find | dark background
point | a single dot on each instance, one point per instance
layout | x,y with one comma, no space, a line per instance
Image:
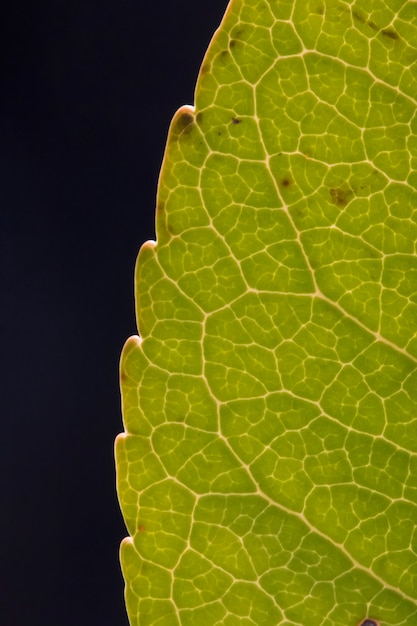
87,91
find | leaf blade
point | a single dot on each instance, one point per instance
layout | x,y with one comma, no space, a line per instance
271,399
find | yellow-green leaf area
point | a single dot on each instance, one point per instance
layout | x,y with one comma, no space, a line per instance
197,582
223,548
164,522
267,473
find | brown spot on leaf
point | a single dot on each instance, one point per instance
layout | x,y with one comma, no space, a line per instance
184,122
170,228
205,68
359,17
362,18
340,196
236,120
238,33
390,33
199,117
286,182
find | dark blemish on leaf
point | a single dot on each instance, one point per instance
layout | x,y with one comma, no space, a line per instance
369,622
205,68
320,10
170,229
286,181
232,43
239,32
363,20
184,123
199,118
235,120
387,32
224,53
340,197
160,207
359,17
390,33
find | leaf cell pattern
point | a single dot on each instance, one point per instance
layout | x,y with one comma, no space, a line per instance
268,470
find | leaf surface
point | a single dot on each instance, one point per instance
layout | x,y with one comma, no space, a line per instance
268,471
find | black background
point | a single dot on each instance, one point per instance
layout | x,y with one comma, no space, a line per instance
87,91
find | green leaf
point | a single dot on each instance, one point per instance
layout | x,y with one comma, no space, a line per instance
268,469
